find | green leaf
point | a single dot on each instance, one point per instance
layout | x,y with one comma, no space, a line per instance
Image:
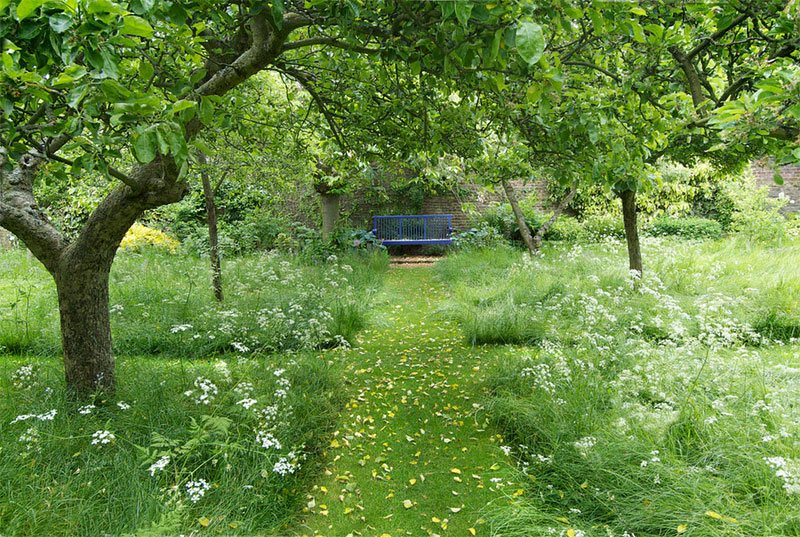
206,111
26,7
498,38
103,6
447,9
533,93
638,33
530,42
4,4
60,22
639,11
464,11
777,177
133,25
277,13
183,104
144,146
145,70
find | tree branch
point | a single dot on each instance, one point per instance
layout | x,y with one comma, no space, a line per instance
692,78
716,35
606,72
329,41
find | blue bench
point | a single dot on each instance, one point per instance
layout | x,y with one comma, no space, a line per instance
414,229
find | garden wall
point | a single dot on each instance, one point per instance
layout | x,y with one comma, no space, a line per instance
476,198
790,187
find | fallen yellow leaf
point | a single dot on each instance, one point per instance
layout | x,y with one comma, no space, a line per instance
717,516
472,531
570,533
408,504
455,470
203,521
682,528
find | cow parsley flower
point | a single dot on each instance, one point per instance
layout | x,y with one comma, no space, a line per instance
247,403
102,437
206,391
86,409
123,405
159,465
268,440
30,438
24,377
788,470
585,444
196,489
286,465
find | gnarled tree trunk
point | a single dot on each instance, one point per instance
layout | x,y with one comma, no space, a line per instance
85,328
628,198
524,230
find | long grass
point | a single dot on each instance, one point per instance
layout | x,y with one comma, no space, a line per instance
222,410
663,408
162,304
55,481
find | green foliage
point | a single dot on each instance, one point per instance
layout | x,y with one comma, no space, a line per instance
755,214
688,227
565,228
478,238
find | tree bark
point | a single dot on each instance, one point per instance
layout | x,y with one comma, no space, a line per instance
86,330
628,198
540,233
330,213
213,234
524,230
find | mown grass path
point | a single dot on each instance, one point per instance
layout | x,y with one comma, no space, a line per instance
412,455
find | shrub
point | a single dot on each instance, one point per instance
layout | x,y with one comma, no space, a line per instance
565,228
356,239
688,228
602,226
756,215
140,236
485,236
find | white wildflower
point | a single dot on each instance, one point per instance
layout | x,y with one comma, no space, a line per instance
102,437
159,465
196,489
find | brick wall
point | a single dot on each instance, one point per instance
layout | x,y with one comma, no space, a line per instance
790,187
481,199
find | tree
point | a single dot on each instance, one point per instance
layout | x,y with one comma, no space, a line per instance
96,86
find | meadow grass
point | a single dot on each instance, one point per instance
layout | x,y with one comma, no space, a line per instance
57,479
222,410
663,408
162,304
